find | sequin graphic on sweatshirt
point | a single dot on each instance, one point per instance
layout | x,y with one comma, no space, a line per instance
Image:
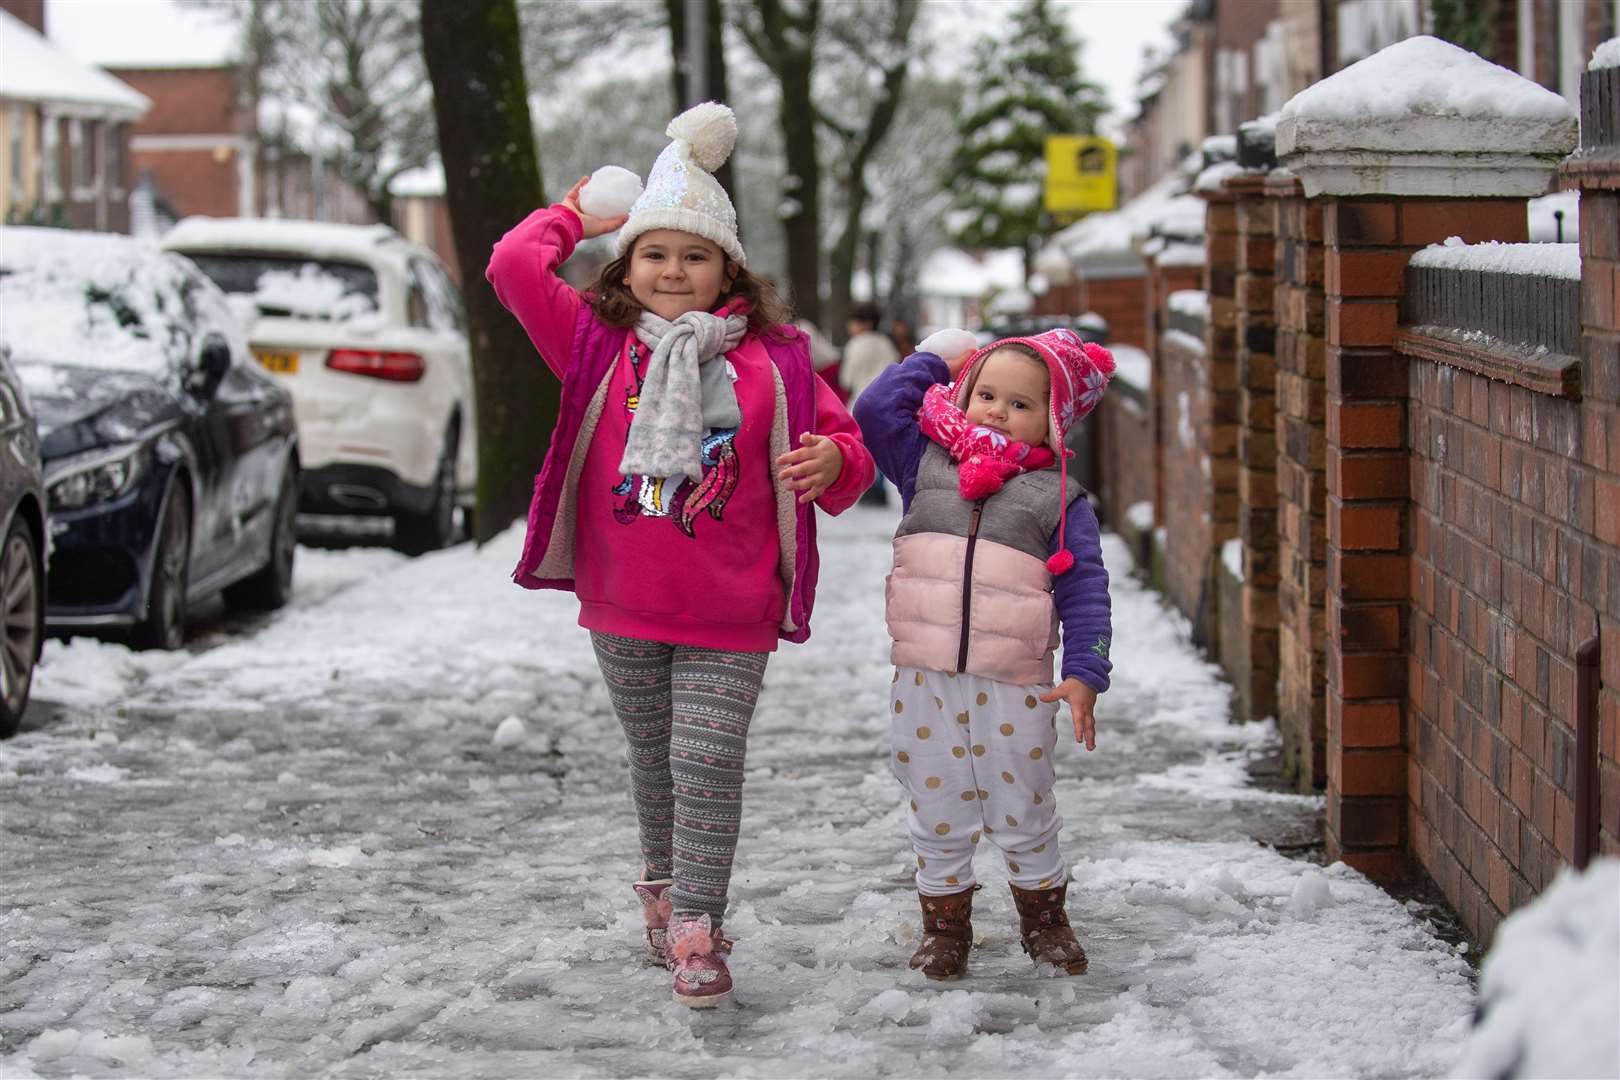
680,498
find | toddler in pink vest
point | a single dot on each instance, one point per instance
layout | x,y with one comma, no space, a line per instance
693,443
997,550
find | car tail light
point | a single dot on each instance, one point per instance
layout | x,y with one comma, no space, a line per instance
393,366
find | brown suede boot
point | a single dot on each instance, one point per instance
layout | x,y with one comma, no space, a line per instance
1043,923
947,934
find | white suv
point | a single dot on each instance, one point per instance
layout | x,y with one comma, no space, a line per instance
368,333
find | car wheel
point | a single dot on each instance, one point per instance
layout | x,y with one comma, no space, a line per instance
434,528
271,587
20,609
164,626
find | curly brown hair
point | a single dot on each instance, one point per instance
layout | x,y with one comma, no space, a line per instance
616,305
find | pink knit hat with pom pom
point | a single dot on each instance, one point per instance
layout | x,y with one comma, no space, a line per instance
1080,371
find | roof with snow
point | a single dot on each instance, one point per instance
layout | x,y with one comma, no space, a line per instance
423,182
954,272
36,70
1105,245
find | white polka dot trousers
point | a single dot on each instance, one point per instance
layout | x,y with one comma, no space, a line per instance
976,757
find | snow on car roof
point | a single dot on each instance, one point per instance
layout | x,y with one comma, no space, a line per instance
321,239
99,300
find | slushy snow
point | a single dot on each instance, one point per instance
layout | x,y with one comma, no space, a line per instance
948,343
297,851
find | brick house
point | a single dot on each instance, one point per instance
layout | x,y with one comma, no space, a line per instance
64,130
207,150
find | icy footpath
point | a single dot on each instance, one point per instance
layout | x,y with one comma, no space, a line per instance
307,853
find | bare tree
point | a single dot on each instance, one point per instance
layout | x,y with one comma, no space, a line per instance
492,181
345,81
841,69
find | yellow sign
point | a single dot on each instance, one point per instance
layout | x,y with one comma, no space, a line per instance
1080,174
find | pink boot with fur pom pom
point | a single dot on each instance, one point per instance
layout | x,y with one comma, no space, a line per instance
698,953
655,909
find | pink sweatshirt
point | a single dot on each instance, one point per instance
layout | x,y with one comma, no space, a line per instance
674,561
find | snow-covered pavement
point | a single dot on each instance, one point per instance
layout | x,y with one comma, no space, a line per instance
304,852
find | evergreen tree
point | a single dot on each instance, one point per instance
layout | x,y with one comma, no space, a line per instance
1025,86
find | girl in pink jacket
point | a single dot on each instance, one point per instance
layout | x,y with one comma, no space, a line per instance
693,440
997,549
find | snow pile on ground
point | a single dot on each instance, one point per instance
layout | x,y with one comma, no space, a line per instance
1550,992
1541,260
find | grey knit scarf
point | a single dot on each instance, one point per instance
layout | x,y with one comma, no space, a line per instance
684,394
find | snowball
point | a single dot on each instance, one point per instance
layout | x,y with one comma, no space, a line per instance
948,343
1311,894
611,191
510,733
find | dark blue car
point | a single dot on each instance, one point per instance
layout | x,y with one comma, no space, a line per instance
171,459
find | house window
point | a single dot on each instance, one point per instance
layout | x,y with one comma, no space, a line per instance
79,157
113,157
18,133
50,162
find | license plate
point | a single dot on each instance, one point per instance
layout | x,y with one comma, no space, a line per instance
282,363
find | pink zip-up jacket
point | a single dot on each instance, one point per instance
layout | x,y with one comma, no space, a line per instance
728,562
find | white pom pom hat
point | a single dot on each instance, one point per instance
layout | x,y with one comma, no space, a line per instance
681,191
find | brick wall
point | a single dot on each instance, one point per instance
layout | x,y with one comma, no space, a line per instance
1219,431
1120,300
1161,281
1301,483
1126,443
1186,509
1257,445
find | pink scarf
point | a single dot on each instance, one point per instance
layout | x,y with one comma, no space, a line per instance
985,459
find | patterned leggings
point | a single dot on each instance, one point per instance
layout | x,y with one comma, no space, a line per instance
685,713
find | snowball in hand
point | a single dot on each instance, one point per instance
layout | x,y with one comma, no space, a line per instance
610,192
948,343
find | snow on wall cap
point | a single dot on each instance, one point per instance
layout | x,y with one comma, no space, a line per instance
1539,260
1423,117
1606,55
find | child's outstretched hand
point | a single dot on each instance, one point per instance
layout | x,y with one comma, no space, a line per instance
1082,701
812,468
953,346
594,226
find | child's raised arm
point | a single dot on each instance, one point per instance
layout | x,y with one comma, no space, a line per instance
523,270
887,414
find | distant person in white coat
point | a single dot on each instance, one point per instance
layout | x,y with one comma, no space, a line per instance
867,355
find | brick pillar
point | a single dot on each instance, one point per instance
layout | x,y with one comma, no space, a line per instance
1301,482
1220,345
1388,191
1595,169
1257,440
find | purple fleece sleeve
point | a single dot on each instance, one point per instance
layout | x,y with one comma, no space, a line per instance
887,414
1082,600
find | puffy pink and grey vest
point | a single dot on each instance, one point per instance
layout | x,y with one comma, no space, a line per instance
547,561
980,604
